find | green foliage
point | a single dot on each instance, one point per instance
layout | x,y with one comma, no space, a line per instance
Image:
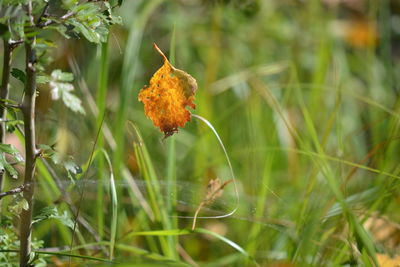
68,163
17,205
61,88
9,245
18,74
52,213
12,124
307,111
90,19
4,164
12,17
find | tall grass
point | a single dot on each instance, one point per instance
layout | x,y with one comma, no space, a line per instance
308,118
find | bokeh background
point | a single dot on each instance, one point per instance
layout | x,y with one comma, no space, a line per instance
304,96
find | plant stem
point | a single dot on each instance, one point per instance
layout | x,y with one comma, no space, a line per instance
4,95
101,105
28,110
14,191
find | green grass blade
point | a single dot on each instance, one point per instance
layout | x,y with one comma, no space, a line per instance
172,197
178,232
101,106
114,205
205,121
128,75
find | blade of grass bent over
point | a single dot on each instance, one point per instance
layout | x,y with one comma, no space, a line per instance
231,172
114,205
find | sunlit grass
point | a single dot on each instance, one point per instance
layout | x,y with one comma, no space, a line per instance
309,121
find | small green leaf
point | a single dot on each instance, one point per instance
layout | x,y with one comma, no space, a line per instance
68,4
42,79
73,102
58,75
61,88
18,74
5,166
17,205
10,149
11,125
52,213
61,29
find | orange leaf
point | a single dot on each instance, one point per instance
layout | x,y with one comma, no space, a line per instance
167,96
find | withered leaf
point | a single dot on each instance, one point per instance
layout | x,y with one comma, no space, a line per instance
214,191
165,100
215,188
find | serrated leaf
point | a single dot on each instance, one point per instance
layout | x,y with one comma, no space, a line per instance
58,75
42,79
73,102
5,166
90,22
52,213
61,29
12,150
89,34
19,75
11,125
17,205
111,18
60,88
68,4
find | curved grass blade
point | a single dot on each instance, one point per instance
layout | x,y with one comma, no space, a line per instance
187,232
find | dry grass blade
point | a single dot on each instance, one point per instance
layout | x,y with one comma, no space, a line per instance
214,191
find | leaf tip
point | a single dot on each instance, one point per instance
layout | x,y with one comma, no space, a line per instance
160,52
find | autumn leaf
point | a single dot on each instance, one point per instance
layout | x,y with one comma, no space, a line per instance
165,100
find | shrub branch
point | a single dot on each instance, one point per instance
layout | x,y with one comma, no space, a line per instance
14,191
28,110
8,47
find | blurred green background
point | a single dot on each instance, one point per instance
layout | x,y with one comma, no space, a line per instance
304,95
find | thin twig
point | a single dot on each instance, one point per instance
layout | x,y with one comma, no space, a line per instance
7,105
45,14
14,191
52,21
